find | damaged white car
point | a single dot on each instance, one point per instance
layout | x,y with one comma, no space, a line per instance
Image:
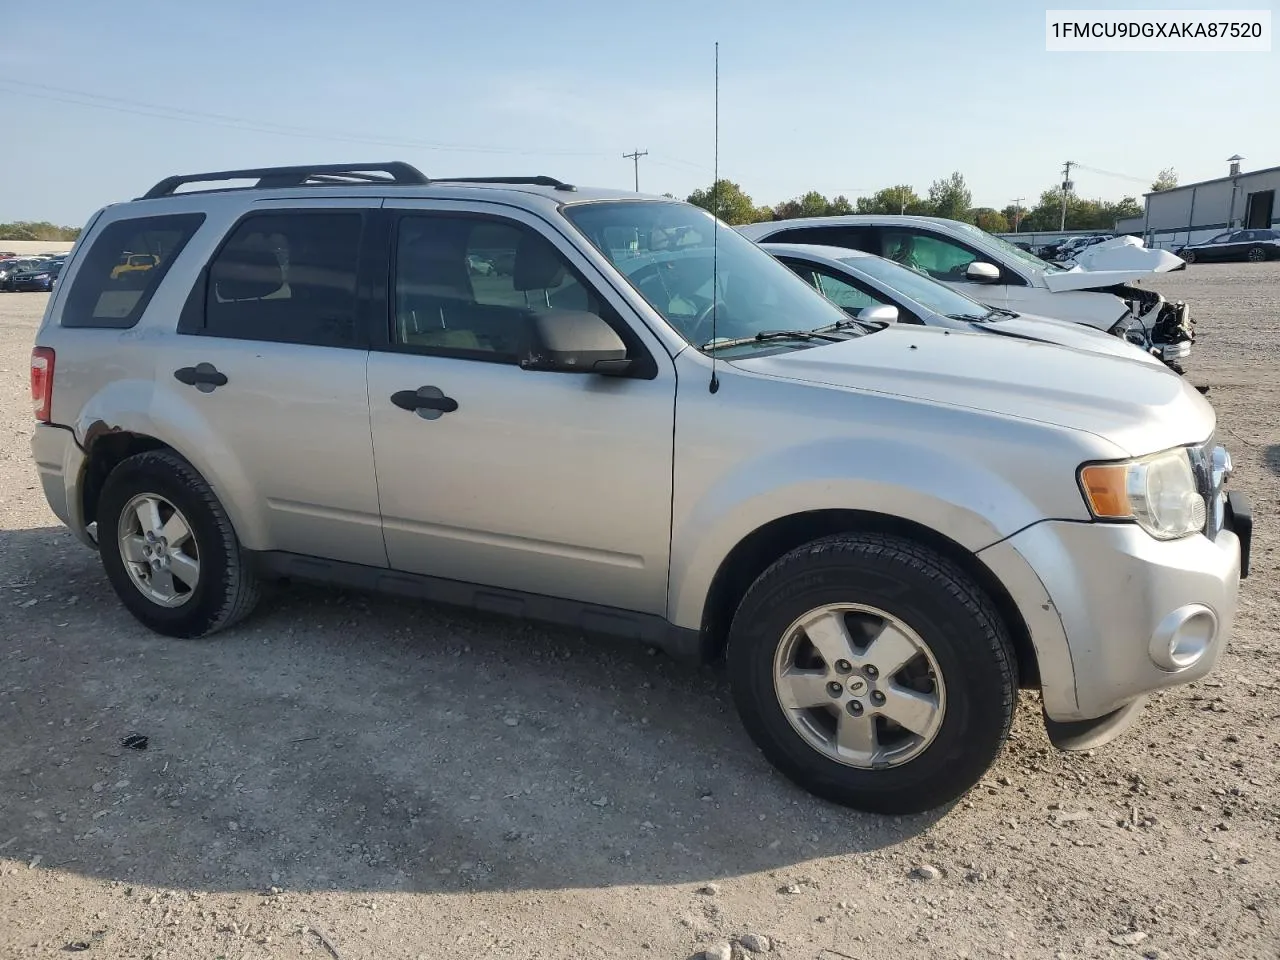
1098,291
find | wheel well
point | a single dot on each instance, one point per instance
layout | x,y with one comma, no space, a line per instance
754,554
104,452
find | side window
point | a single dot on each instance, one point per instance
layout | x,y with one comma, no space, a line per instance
854,238
467,286
110,294
927,253
843,293
287,278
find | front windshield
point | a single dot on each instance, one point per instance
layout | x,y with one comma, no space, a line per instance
1030,259
919,287
664,249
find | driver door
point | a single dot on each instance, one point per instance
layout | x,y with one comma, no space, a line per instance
556,485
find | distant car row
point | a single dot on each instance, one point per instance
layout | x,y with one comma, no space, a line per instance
1253,246
30,274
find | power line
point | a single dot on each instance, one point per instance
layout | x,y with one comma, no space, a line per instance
158,111
635,158
1118,176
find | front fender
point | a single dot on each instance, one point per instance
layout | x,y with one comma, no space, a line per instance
957,496
133,406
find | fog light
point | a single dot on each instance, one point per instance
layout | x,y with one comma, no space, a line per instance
1183,637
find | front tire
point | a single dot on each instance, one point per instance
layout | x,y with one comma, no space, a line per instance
873,672
1189,256
169,549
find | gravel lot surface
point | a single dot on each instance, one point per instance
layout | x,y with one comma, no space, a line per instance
352,777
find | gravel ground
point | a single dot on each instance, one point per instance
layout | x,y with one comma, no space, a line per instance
346,776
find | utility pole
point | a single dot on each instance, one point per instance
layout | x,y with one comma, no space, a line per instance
902,195
635,158
1066,189
1017,212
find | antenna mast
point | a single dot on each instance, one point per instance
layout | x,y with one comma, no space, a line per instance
715,225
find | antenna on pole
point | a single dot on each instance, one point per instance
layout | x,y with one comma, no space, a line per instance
635,158
715,224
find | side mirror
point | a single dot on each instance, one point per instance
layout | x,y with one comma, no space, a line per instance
980,272
880,313
573,341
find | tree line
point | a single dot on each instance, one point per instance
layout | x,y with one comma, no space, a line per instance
948,197
37,230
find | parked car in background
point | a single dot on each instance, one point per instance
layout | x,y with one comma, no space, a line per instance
9,267
35,279
1251,245
650,427
864,285
1073,245
995,272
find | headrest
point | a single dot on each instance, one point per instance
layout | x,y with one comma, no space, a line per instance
247,275
538,266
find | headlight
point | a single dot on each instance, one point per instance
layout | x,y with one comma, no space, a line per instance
1157,492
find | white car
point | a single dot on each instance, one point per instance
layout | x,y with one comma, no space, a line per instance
995,272
872,288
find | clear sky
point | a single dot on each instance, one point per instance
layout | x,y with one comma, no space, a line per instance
100,100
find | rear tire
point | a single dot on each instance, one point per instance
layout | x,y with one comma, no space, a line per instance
183,573
944,665
1256,254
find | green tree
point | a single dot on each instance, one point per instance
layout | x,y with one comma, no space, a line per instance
37,230
1167,180
1082,214
735,206
897,199
990,220
950,197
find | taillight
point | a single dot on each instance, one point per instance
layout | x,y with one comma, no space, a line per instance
42,382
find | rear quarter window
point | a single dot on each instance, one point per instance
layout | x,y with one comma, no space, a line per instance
123,267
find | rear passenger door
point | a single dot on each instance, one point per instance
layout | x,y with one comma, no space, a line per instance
268,362
548,483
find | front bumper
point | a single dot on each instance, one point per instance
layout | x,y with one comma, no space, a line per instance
1114,613
60,463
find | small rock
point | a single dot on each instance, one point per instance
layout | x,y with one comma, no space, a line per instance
1130,939
77,945
99,786
511,722
600,802
718,951
843,904
1155,953
233,826
791,889
709,889
926,871
755,943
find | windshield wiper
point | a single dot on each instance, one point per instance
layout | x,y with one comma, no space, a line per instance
764,335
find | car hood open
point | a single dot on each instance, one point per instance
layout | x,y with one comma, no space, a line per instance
1140,407
1119,260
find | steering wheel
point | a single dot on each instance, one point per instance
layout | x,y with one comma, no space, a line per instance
700,330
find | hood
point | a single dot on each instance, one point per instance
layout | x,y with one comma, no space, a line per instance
1067,334
1127,254
1140,407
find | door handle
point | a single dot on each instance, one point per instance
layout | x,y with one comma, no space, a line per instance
205,377
429,403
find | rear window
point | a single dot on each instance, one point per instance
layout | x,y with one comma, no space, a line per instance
122,269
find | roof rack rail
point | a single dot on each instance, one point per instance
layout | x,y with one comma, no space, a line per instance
393,172
529,181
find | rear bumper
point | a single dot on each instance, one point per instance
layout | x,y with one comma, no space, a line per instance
1114,613
60,463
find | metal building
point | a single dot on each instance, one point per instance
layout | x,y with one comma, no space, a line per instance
1197,211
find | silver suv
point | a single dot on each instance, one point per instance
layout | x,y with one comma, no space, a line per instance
612,412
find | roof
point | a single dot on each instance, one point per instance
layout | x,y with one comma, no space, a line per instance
1201,183
755,230
817,250
375,180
